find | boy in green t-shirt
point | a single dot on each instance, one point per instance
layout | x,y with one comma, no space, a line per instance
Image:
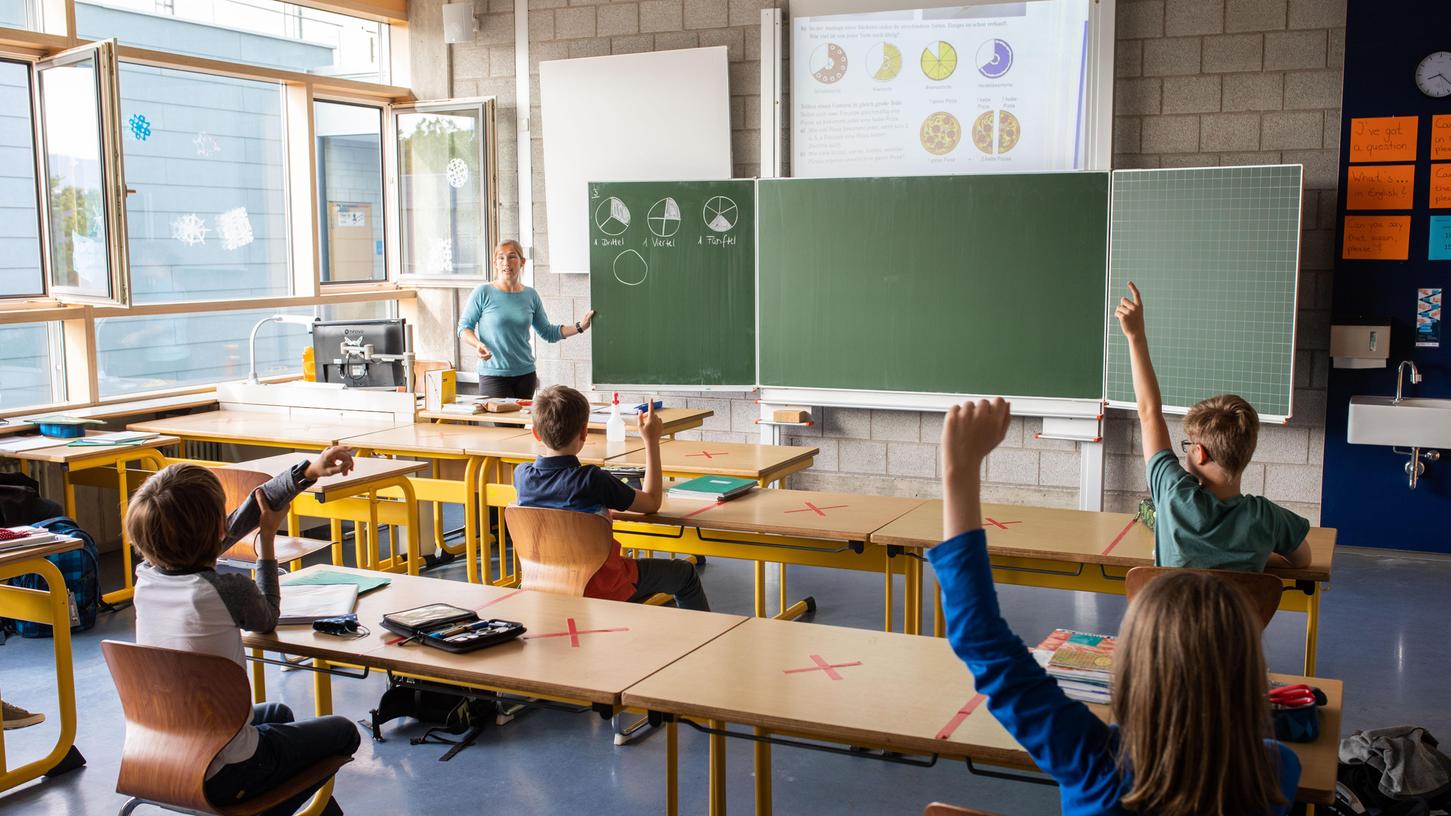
1202,518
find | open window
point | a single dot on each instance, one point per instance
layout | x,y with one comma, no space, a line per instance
83,186
446,191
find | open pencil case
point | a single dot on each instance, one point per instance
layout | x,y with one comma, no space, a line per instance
451,628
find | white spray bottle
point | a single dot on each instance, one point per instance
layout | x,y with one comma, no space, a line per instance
615,427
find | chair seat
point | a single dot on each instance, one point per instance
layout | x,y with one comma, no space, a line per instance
306,778
288,548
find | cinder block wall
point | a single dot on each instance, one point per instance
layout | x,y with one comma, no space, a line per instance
1199,82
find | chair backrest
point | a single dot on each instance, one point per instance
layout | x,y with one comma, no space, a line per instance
559,550
1262,588
940,809
181,709
237,486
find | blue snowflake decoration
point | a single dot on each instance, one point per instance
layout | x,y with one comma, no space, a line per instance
140,127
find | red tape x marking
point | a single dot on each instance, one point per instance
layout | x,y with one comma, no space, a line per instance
962,714
1120,537
573,632
822,665
811,508
1001,525
709,454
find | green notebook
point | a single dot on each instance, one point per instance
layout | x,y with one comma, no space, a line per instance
364,583
713,488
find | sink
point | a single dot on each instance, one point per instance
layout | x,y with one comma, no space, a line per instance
1411,423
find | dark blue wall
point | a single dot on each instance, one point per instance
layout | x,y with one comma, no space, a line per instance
1365,493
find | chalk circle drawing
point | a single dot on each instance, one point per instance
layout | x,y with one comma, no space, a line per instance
612,217
189,229
457,173
630,268
720,214
206,145
664,218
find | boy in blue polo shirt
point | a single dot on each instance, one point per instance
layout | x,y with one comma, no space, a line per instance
561,423
1202,519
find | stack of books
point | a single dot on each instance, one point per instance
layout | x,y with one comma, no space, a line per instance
711,488
464,408
1081,662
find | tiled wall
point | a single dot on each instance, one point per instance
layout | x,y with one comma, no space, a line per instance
1199,82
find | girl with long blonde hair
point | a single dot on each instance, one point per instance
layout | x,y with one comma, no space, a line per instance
1192,731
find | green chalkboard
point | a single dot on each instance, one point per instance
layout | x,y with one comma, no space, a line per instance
1214,252
672,277
939,284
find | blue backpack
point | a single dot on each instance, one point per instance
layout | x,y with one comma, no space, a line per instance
81,570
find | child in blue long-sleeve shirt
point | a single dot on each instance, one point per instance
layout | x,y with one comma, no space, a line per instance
1192,732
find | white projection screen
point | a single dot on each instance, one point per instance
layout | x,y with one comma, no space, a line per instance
895,88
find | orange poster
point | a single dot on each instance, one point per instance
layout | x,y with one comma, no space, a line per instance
1440,186
1383,187
1440,137
1377,237
1383,139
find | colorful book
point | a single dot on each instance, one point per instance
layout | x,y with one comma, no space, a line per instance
364,583
1081,663
712,488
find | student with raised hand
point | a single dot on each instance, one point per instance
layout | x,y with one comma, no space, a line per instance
1202,518
1192,720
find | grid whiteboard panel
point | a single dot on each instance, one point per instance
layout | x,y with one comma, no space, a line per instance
1214,252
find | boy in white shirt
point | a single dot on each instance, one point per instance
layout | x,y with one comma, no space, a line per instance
178,520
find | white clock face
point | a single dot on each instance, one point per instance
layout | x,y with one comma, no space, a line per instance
1433,75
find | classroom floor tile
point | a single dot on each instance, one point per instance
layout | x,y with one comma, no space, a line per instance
1375,635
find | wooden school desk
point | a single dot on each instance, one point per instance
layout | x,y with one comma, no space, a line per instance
763,464
786,526
578,651
310,431
856,687
114,410
332,497
1090,552
50,606
674,420
441,443
76,461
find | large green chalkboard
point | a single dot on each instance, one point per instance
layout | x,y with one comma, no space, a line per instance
940,284
1215,253
672,276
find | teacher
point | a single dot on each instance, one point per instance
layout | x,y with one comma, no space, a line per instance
496,323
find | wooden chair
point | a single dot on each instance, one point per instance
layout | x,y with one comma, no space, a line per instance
940,809
181,709
1262,588
238,485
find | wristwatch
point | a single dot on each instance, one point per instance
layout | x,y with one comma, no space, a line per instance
578,329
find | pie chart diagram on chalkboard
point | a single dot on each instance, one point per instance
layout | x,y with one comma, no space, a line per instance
721,214
664,218
612,217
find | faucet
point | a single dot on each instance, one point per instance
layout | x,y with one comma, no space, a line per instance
1400,372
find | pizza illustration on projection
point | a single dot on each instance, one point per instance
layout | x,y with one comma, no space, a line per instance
996,131
884,60
828,63
940,133
939,60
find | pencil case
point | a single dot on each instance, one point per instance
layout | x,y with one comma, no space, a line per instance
451,628
1295,711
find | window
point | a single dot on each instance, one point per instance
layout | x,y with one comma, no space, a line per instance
445,190
19,14
29,365
350,191
156,352
20,272
370,310
205,159
258,32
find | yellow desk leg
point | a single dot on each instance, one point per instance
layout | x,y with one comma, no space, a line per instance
415,559
259,678
939,619
781,603
52,607
322,695
760,574
1312,630
763,775
372,529
335,532
717,770
672,767
472,512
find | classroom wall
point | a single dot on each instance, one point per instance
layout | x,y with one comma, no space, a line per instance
1366,496
1199,82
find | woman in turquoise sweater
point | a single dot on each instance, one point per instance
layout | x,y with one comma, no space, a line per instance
1191,730
496,323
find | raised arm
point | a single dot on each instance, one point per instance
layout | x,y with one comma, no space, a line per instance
1155,430
650,499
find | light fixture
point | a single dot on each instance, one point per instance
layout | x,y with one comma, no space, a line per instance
296,320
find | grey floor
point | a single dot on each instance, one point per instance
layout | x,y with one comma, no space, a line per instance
1382,632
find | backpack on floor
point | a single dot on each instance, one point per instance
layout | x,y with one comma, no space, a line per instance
449,709
81,570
